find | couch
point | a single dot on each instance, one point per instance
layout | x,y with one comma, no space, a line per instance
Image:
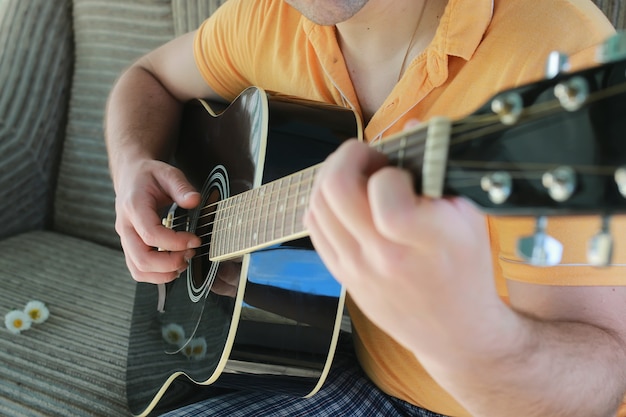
58,61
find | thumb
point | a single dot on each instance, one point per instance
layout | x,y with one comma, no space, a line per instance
176,185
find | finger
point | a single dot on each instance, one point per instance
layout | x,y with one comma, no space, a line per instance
148,225
342,185
150,277
394,205
229,272
148,260
176,185
411,124
339,250
225,288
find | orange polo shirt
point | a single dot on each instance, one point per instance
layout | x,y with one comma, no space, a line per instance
481,47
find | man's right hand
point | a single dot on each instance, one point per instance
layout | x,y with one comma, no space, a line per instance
144,189
142,119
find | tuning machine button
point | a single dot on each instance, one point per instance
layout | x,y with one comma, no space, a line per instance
540,249
557,63
572,93
508,107
600,247
560,182
498,185
613,49
620,180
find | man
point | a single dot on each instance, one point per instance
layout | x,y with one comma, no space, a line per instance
422,269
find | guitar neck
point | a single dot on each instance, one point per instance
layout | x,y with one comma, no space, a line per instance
273,213
263,216
529,151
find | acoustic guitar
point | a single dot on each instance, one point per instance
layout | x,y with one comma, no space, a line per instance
554,147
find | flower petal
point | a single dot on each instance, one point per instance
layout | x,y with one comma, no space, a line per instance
17,321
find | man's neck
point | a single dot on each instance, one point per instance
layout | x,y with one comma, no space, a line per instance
381,28
381,40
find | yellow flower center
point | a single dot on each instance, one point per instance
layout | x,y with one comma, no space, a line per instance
173,336
17,323
34,314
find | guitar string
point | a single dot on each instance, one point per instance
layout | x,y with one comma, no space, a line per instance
251,225
531,111
286,193
537,109
394,147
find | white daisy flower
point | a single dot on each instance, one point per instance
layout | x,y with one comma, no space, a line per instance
37,311
17,321
173,333
196,348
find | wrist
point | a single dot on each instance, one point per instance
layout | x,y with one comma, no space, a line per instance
504,339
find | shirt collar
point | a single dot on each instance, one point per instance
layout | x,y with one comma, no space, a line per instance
460,32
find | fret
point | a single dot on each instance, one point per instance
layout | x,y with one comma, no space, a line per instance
263,213
214,237
288,210
401,152
248,219
282,206
270,217
235,213
219,232
254,218
296,204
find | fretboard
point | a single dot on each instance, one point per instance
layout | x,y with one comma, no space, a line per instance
263,216
273,213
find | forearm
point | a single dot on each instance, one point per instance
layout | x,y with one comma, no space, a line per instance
141,120
552,369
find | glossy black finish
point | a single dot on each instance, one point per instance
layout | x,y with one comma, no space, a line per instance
279,337
591,140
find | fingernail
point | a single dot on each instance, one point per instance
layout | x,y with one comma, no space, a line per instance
194,243
188,194
188,255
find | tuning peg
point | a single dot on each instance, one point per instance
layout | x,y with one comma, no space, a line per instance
498,185
560,183
600,247
508,107
540,249
557,63
573,93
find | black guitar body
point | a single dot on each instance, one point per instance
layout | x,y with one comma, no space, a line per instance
279,333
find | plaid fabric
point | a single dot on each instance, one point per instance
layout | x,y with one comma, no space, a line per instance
347,392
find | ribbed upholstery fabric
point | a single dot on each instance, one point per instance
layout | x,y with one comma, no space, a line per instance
109,35
615,11
35,70
74,363
189,14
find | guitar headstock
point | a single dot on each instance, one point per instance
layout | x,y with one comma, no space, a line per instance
554,147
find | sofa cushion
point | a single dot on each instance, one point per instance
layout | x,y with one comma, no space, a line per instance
109,35
35,72
74,363
615,11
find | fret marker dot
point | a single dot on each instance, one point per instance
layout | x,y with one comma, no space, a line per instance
255,236
281,208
